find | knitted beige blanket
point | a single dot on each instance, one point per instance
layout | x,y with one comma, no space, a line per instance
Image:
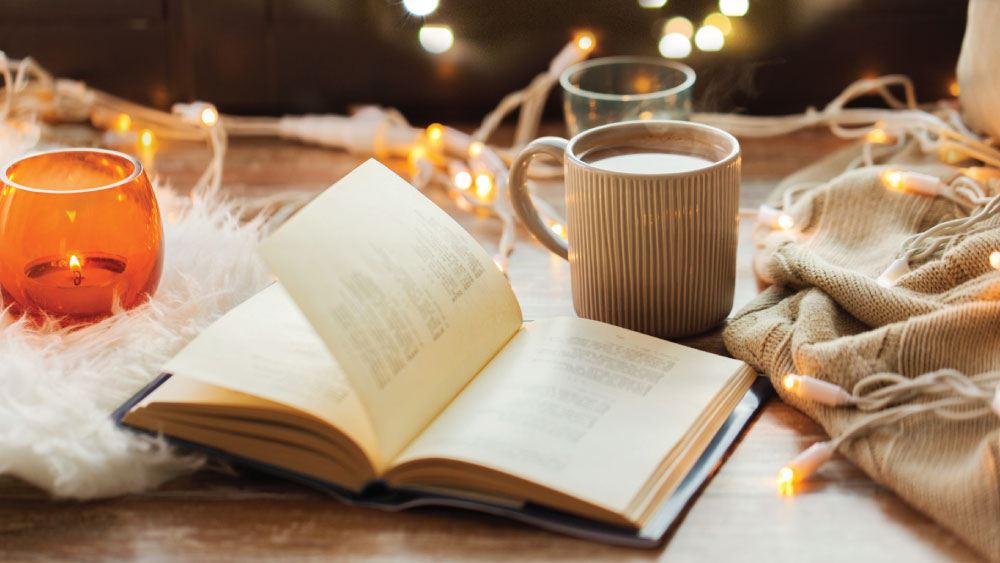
827,317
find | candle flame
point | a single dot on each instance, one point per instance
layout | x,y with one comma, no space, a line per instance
74,268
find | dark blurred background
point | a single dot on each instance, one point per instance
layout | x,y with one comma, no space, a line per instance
295,56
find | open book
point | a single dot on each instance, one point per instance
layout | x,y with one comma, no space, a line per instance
392,366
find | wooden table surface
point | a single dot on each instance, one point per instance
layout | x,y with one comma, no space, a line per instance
838,515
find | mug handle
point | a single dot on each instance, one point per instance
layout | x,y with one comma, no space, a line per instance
521,198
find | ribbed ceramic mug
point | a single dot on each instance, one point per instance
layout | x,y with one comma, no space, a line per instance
651,239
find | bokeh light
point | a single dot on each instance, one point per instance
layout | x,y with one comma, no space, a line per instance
720,21
734,8
675,46
681,25
709,38
436,38
420,7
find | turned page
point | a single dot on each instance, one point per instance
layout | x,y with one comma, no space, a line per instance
579,406
266,348
408,303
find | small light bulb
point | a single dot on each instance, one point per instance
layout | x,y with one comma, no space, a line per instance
123,123
896,270
995,259
476,148
559,230
483,185
146,138
981,174
786,481
674,46
679,24
463,180
817,390
709,38
953,88
585,42
774,218
893,179
878,136
435,132
209,116
790,381
734,7
417,154
436,39
949,153
720,21
420,7
913,182
804,464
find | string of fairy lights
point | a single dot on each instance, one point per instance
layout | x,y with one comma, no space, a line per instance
975,191
946,394
675,40
472,171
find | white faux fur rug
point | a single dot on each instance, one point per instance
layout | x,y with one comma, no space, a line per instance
58,386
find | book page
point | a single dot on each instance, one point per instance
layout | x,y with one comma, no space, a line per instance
266,348
578,406
408,302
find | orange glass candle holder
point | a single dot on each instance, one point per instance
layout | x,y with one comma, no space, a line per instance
80,233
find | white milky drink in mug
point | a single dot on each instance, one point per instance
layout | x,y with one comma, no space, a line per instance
652,214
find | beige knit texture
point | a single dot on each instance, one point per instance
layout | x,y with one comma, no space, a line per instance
825,316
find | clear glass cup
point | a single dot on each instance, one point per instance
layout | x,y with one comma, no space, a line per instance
613,89
80,233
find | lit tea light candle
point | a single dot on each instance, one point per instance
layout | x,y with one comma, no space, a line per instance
99,249
82,285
